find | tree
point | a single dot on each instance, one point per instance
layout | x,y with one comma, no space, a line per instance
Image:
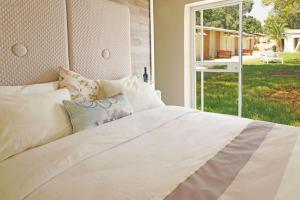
225,17
288,10
251,25
247,6
274,28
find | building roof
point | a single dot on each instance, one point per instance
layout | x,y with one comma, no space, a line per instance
292,31
224,30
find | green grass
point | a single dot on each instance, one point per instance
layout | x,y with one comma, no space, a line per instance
270,92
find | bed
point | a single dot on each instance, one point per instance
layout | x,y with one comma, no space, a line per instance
163,153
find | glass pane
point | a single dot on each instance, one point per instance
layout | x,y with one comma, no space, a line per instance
221,34
198,18
198,36
220,92
224,18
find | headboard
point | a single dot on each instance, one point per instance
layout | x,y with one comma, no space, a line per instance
33,40
91,37
99,38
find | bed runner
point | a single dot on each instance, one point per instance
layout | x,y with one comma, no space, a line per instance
211,180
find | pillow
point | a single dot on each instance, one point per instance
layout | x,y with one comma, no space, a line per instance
80,87
30,120
85,114
140,94
29,89
114,87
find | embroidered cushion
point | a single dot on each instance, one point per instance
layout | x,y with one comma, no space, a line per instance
80,87
84,114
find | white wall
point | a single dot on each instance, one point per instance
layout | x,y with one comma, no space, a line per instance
246,43
212,44
289,44
140,33
169,49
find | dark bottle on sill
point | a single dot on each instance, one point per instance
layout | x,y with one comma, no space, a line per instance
145,75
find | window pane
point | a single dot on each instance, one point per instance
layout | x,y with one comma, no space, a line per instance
221,34
220,92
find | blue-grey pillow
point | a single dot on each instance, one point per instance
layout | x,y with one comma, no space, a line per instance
84,114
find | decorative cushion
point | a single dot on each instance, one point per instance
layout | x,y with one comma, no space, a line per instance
29,120
80,87
85,114
29,89
140,94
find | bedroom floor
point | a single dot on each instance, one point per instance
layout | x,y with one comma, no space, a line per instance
271,92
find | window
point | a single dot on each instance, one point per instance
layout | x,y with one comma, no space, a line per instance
217,49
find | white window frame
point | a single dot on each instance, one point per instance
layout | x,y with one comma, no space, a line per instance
190,51
152,42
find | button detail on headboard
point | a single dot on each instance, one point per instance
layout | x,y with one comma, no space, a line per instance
19,50
105,54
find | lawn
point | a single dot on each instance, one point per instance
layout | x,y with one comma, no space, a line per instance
270,92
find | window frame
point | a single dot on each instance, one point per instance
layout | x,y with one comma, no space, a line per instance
199,66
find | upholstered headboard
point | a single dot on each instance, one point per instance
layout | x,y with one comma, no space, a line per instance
91,37
99,38
33,40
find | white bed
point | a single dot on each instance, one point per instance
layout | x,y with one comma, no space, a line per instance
147,155
161,153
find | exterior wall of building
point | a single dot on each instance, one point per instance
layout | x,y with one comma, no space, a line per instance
213,45
231,44
209,45
264,43
236,44
198,47
217,40
206,44
246,43
298,45
228,43
222,41
289,44
291,40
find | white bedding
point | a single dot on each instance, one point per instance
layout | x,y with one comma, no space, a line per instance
140,157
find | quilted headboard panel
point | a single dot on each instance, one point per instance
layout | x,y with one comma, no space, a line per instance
33,40
99,38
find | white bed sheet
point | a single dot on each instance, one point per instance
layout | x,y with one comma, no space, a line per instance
143,156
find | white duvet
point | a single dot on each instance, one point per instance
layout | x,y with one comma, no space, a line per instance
140,157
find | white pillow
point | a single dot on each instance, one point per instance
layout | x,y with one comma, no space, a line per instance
29,120
29,89
141,95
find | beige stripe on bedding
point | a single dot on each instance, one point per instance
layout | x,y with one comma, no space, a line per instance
213,178
287,189
261,178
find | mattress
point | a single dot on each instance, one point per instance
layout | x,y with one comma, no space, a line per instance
163,153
